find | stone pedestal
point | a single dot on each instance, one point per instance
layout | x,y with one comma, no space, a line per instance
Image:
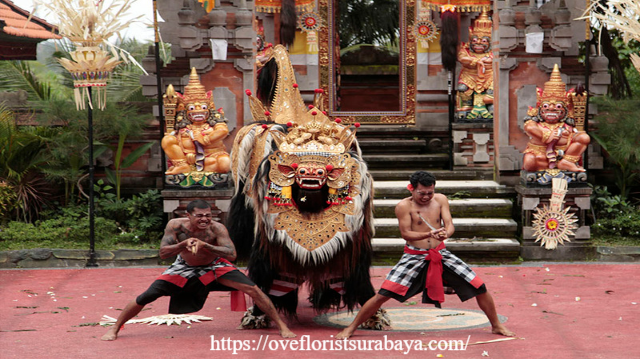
579,248
473,145
175,201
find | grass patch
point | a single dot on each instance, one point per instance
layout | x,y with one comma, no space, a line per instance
615,241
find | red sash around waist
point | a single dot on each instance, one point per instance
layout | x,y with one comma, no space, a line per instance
435,288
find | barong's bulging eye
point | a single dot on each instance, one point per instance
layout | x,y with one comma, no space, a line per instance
320,172
204,107
302,171
559,106
545,106
191,107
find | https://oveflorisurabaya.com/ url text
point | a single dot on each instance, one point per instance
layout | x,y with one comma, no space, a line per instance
305,343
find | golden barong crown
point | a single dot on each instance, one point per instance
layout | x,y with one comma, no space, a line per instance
314,132
482,27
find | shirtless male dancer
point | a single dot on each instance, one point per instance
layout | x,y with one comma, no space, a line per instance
203,250
426,265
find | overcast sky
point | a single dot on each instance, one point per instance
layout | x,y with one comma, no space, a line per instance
138,30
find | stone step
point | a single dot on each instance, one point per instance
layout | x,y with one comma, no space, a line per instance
381,146
426,161
396,131
465,228
441,175
474,189
453,244
501,250
468,207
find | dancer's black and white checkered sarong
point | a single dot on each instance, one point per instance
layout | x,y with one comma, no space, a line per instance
409,276
188,286
180,272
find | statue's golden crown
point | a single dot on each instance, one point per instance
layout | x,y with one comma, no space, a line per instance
483,26
195,92
554,89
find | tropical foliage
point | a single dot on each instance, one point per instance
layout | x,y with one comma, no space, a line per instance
68,226
357,16
21,155
619,135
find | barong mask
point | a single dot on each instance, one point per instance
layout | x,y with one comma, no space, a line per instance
312,185
312,153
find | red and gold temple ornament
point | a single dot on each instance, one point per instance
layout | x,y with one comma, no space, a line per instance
309,23
425,29
552,224
273,6
459,5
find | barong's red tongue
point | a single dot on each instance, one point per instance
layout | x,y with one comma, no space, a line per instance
435,289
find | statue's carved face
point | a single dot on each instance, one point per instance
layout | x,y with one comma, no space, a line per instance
552,111
260,42
480,45
197,112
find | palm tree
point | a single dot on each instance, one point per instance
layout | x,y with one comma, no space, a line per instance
21,75
21,156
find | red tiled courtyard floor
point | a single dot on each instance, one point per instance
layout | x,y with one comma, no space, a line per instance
581,311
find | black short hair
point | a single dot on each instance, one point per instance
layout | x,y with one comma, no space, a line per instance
422,177
197,203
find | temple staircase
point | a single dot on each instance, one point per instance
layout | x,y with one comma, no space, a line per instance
482,209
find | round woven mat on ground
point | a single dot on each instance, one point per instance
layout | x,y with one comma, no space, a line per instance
417,319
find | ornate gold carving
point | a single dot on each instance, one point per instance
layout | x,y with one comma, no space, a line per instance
579,101
287,102
170,100
408,69
311,233
482,27
554,89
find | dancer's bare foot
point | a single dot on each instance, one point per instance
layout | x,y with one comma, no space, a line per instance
569,166
346,333
287,333
502,330
112,334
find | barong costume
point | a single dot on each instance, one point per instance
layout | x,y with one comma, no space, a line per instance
303,207
188,286
434,272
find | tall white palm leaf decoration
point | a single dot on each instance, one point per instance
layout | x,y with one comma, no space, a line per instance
623,15
89,24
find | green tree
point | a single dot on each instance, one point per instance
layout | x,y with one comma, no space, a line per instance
619,135
21,156
356,19
20,75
